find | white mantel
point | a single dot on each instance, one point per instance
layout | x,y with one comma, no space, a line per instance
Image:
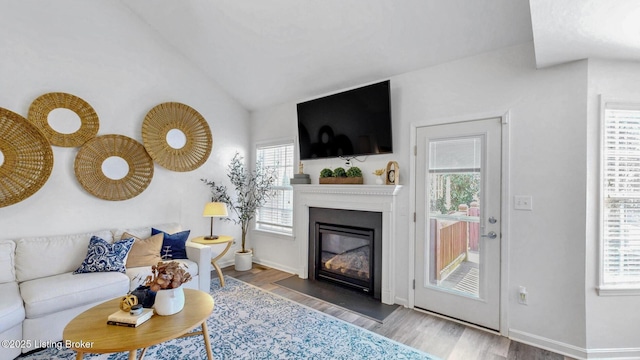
375,198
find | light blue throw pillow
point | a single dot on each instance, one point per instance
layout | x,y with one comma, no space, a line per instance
105,257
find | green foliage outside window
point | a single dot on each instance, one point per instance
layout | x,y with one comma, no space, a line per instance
464,189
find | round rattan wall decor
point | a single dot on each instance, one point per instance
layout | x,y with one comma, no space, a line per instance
27,158
89,161
176,116
44,104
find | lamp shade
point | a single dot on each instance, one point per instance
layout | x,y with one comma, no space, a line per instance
215,209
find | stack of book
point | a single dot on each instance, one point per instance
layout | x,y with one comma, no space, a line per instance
124,318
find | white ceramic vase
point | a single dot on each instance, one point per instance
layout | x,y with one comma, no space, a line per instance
243,261
169,301
379,180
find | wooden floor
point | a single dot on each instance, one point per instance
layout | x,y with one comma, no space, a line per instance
434,335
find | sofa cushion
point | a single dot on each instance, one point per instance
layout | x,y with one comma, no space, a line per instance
11,309
38,257
104,257
60,292
144,252
138,275
7,261
173,245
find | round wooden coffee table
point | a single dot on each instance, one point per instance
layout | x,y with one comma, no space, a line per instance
89,332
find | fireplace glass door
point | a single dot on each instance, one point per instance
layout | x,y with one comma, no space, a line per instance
345,255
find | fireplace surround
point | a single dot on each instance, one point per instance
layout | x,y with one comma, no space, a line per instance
370,198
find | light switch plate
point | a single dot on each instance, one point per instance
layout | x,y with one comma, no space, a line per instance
523,202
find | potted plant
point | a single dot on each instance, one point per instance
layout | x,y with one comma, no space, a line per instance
166,281
354,172
326,173
252,190
378,173
341,176
167,275
339,172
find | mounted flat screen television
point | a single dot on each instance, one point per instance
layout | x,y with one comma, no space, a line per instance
347,124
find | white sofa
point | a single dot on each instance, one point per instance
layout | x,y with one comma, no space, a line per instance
40,293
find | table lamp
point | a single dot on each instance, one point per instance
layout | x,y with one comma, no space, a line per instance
214,209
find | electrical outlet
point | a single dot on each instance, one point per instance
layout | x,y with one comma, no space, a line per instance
523,295
523,202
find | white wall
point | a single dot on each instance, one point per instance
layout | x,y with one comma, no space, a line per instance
102,53
613,322
548,141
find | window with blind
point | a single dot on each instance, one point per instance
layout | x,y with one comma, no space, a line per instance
277,214
620,247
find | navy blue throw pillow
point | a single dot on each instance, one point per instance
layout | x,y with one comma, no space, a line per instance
104,257
173,245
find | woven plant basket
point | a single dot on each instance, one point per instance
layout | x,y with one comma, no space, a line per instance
88,167
341,180
27,158
44,104
168,116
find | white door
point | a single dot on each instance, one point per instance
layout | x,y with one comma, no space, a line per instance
458,172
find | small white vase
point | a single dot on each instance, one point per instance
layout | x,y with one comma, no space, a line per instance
379,180
169,301
243,261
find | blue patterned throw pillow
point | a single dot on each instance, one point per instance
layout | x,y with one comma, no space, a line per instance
104,257
173,245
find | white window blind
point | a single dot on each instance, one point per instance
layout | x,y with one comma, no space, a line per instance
277,214
621,198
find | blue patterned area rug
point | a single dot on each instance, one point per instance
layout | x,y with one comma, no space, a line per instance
250,323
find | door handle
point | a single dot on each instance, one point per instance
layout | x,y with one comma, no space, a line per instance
490,235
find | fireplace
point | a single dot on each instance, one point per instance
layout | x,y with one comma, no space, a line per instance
345,247
379,199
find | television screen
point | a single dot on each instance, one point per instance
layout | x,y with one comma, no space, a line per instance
351,123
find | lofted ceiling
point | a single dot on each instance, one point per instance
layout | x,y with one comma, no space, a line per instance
269,52
571,30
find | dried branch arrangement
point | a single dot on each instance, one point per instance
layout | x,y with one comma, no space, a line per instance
167,275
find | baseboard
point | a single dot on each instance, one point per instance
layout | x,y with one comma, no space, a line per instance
548,344
401,301
574,351
275,266
617,353
230,262
224,263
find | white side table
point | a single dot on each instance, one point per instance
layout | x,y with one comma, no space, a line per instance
222,239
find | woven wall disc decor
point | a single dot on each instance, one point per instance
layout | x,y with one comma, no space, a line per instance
27,158
88,167
44,104
172,115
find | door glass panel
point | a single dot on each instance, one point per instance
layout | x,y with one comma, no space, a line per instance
454,183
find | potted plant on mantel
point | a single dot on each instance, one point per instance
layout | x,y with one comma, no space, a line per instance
339,176
252,190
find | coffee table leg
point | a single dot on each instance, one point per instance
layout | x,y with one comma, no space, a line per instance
132,355
79,355
207,343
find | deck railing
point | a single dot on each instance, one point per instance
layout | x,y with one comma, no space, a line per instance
454,235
